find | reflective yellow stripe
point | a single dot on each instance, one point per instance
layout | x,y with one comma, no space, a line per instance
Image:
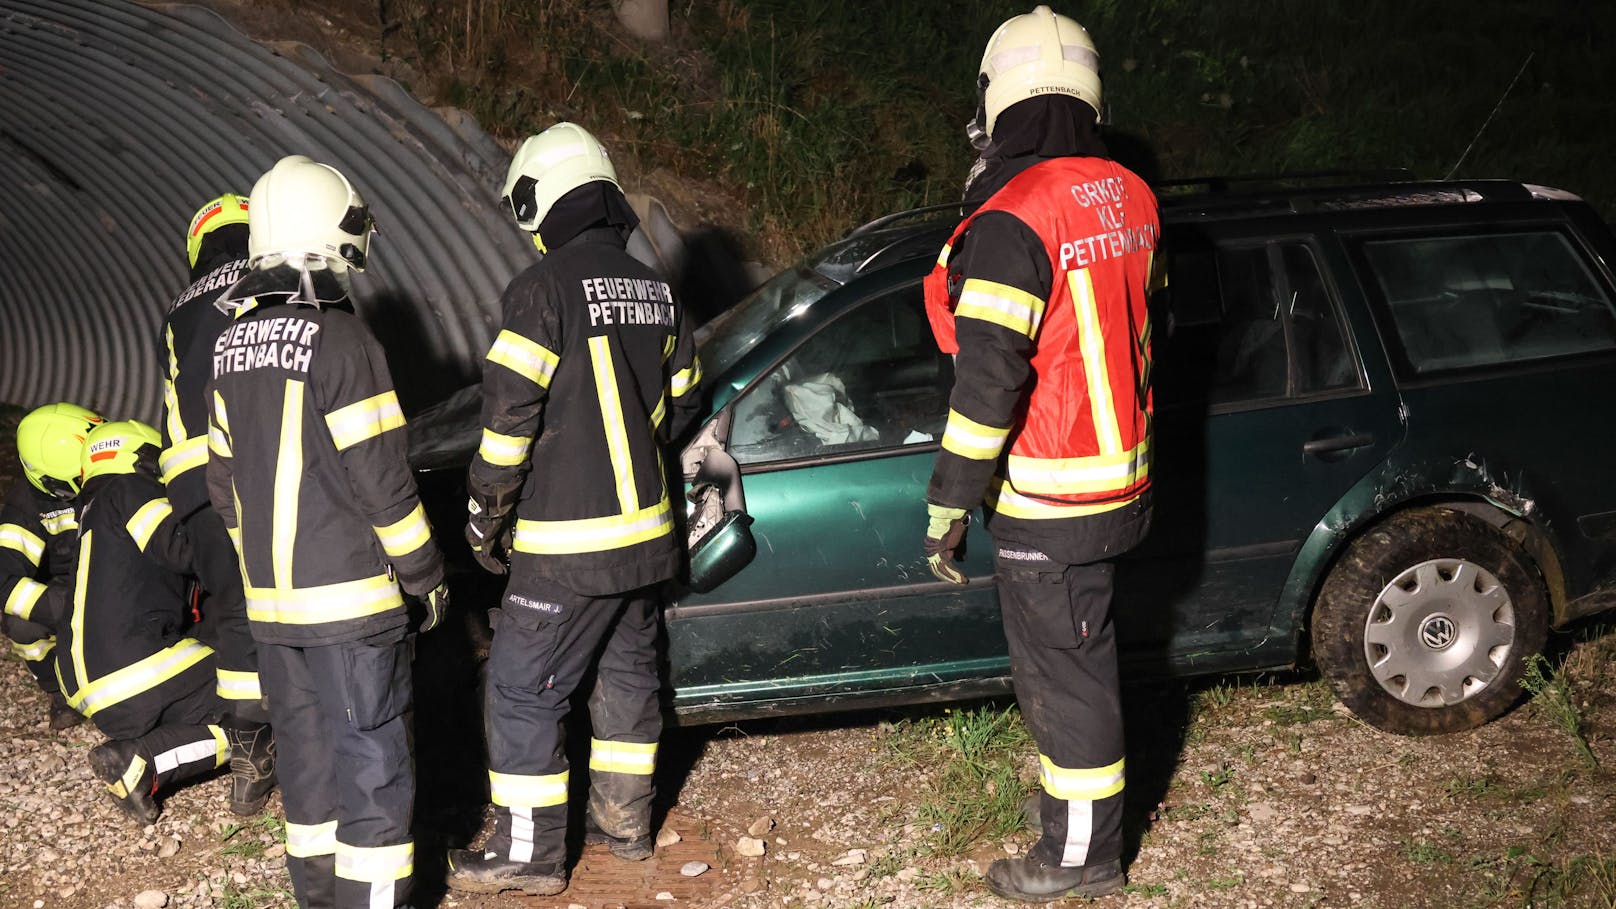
611,416
23,540
1092,342
288,481
219,429
59,521
145,521
235,685
594,534
526,358
660,411
138,678
520,790
638,758
130,779
221,746
502,450
1099,473
685,379
669,345
35,652
311,840
81,587
405,536
364,419
375,864
1081,784
942,257
1008,502
1001,304
24,595
328,603
181,457
234,533
970,439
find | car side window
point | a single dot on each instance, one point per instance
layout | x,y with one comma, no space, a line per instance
1250,324
871,379
1467,301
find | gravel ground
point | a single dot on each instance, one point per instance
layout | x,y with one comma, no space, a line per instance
1242,794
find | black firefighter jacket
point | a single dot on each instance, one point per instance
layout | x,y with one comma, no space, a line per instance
188,332
38,543
307,468
593,370
122,641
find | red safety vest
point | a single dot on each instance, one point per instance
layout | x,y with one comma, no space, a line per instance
1082,445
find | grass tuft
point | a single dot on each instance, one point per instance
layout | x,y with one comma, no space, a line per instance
979,791
1551,693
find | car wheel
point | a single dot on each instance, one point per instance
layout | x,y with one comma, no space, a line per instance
1426,622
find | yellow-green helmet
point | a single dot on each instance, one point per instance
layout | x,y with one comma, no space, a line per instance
227,209
116,448
50,444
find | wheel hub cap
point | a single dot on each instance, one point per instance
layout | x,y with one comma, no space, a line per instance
1440,632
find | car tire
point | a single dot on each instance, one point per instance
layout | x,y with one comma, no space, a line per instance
1425,624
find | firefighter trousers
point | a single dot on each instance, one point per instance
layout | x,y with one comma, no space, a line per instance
1063,662
179,740
224,616
546,641
342,715
36,646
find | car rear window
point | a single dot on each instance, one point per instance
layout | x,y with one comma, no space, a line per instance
1466,301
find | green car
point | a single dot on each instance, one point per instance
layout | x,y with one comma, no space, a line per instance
1382,420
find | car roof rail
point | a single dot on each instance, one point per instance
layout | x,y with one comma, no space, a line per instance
923,213
1246,182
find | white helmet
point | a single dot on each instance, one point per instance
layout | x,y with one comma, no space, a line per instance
550,165
1038,53
301,208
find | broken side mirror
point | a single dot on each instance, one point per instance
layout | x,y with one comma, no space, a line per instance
719,530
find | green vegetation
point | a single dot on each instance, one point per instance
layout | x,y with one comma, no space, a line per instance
819,114
238,897
978,792
251,839
1551,693
1517,877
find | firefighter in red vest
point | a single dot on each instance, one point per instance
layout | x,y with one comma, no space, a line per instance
1041,295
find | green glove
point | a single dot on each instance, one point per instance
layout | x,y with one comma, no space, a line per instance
945,533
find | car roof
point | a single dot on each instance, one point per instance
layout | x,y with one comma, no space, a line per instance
907,235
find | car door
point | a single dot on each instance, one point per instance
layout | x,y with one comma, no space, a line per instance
1266,414
836,441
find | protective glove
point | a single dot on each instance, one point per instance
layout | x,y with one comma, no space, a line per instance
945,533
483,531
437,603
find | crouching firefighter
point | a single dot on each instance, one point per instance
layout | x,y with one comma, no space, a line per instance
216,246
39,541
591,374
306,467
123,654
1041,294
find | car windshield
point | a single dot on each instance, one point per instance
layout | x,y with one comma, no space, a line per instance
722,341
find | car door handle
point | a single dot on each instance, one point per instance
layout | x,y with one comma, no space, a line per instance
1346,441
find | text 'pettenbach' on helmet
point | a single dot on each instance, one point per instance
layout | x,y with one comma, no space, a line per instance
1037,53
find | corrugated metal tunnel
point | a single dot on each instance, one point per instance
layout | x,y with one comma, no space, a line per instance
117,121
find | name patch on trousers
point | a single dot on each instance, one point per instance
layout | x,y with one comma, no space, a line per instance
629,301
543,606
284,342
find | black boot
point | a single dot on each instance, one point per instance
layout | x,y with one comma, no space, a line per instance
1032,813
132,785
62,714
476,871
627,848
1030,880
252,765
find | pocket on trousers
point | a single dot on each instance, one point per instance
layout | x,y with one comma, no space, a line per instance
379,686
1051,614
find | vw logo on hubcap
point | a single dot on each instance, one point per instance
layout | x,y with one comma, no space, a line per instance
1438,632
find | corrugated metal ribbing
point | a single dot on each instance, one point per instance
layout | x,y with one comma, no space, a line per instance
118,120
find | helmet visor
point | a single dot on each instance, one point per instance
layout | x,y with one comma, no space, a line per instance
522,202
358,222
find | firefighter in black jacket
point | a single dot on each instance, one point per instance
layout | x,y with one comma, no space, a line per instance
307,468
216,245
39,540
592,372
123,654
